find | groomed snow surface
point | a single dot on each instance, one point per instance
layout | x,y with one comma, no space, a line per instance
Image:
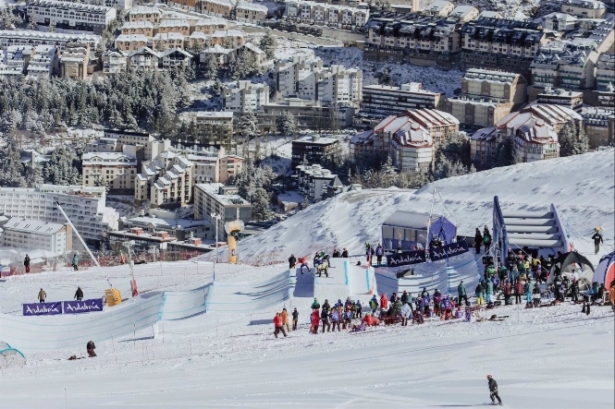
227,357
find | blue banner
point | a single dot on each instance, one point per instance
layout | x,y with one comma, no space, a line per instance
43,308
79,307
406,258
448,250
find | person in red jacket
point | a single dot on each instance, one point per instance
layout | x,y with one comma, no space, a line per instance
519,291
507,290
384,302
277,323
315,321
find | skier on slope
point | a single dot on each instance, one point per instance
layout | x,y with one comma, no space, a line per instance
493,390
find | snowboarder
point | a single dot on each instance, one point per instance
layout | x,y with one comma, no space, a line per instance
42,295
295,319
325,257
493,390
479,292
478,240
597,238
486,239
79,294
90,347
344,253
277,323
461,292
75,262
26,263
303,261
292,261
379,253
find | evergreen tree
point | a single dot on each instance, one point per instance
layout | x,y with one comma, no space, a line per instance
268,44
572,140
248,125
34,175
261,205
286,124
506,154
60,169
11,168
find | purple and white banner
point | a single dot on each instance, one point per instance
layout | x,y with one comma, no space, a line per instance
79,307
405,258
448,250
44,308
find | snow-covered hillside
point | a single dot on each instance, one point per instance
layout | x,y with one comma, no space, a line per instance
582,187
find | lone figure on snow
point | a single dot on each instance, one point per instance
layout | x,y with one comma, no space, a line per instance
91,347
26,263
597,238
75,262
79,294
493,390
42,295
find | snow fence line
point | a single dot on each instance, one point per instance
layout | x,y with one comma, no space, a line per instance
41,333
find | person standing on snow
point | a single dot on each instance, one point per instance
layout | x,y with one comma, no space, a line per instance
461,292
324,317
406,312
373,304
79,294
90,347
285,319
75,262
314,321
315,304
42,296
26,263
379,253
479,293
292,261
478,240
488,290
597,238
295,319
277,323
486,239
493,390
303,261
344,253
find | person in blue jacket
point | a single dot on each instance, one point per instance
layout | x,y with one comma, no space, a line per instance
373,304
488,291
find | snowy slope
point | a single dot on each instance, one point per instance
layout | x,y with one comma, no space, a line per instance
582,187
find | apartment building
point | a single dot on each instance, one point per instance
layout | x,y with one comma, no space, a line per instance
308,79
174,26
218,204
534,130
464,13
74,61
599,126
440,8
144,59
33,38
115,170
248,12
40,61
130,42
410,138
416,34
317,183
584,8
499,43
129,137
165,41
28,234
217,8
176,57
119,4
145,13
568,65
186,4
167,181
85,206
69,16
227,38
307,115
210,25
114,62
486,97
323,14
557,96
380,101
214,127
144,28
245,97
229,167
313,149
560,22
605,80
